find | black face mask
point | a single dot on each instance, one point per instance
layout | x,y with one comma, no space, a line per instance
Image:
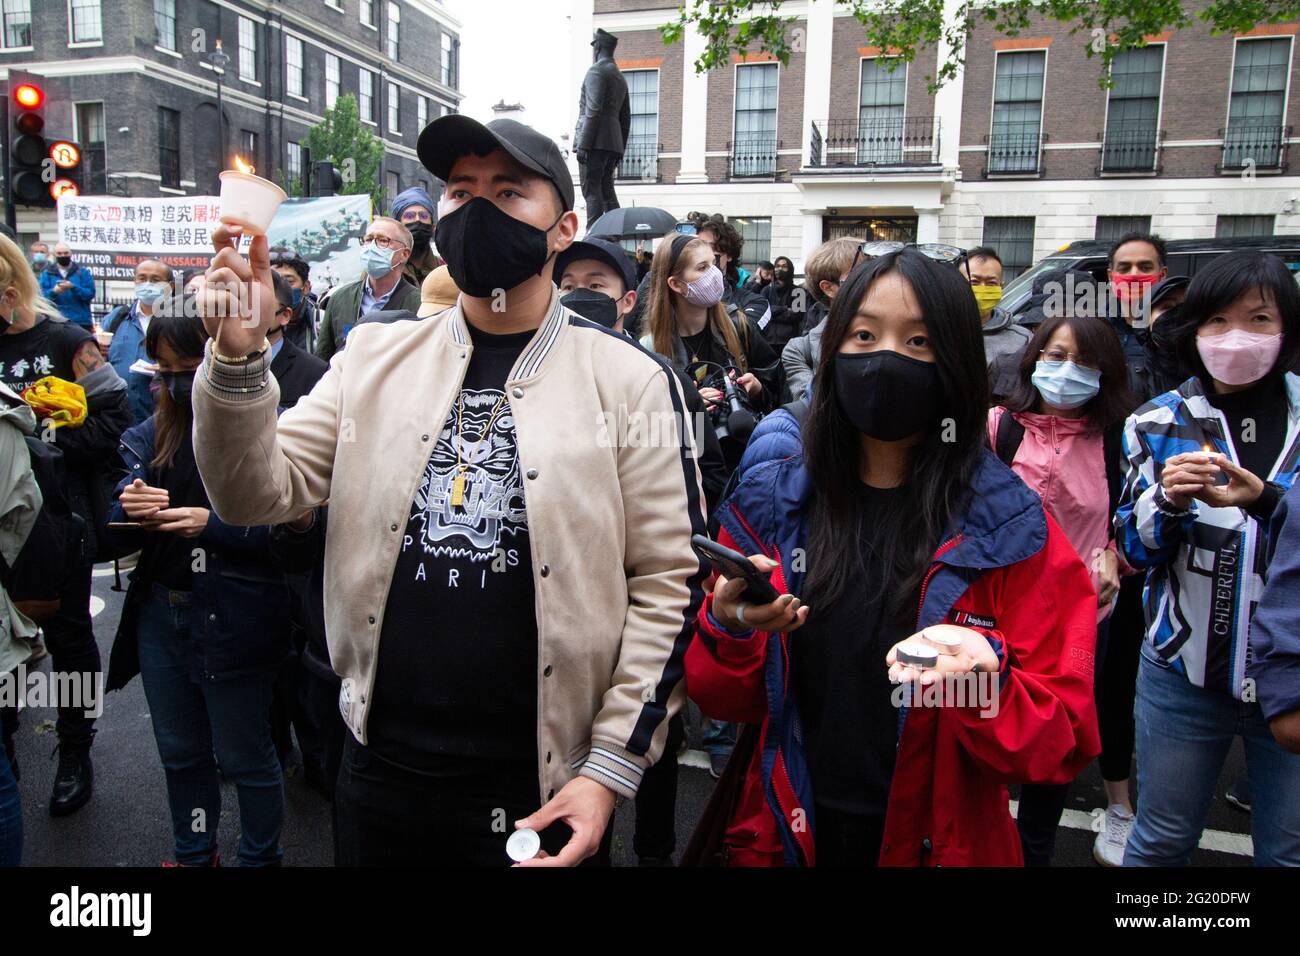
595,306
63,260
487,249
887,396
781,276
179,385
421,233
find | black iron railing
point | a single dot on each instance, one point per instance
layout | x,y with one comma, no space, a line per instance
1130,150
1015,148
877,141
1255,146
754,156
640,162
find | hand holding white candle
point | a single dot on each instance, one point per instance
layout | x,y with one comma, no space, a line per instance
249,201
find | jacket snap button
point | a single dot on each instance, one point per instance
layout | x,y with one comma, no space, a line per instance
371,619
212,617
926,844
546,569
548,756
393,526
532,472
424,438
547,671
518,393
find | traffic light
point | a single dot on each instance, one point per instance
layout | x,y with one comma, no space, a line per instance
28,151
325,179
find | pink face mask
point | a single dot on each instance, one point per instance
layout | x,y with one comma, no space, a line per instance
1237,357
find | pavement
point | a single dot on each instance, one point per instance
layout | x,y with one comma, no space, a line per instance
127,821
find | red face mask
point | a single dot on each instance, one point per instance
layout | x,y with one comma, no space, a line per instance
1132,287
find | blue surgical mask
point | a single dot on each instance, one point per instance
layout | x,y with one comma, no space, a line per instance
38,258
378,262
151,293
1065,384
297,299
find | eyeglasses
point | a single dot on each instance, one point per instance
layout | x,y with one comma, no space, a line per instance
383,242
417,215
935,250
1060,355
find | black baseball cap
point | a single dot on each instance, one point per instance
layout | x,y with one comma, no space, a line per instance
602,250
450,137
1167,285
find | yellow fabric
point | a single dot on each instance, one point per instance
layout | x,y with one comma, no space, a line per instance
60,402
987,296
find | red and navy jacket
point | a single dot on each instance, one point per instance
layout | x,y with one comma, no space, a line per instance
1005,569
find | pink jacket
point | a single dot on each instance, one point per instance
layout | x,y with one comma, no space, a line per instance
1061,459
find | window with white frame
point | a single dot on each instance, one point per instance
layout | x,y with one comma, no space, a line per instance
1255,109
393,186
247,50
421,112
164,24
17,23
293,65
1017,112
87,24
368,12
394,29
394,109
1134,109
881,98
331,80
756,231
169,147
641,153
450,60
293,170
753,153
366,95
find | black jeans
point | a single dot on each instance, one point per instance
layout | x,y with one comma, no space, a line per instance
656,800
598,182
1118,680
70,639
847,840
1041,804
386,815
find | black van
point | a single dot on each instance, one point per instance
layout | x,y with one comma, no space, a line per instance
1183,257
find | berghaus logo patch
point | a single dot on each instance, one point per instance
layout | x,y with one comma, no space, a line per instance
967,619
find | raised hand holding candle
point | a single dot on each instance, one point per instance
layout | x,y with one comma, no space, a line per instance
247,201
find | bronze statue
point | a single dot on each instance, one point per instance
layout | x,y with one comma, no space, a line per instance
604,119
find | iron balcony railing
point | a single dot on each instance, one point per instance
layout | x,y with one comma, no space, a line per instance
1130,150
1255,146
1015,148
640,162
754,156
874,141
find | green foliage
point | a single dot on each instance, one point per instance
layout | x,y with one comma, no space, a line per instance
1107,26
345,141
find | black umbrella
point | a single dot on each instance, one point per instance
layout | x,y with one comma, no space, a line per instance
633,222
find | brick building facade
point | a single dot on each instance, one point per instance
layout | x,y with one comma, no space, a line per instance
1024,149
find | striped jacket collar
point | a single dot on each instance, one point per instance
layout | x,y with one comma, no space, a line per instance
1192,394
539,347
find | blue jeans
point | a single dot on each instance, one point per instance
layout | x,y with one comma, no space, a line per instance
11,815
190,721
1183,736
719,736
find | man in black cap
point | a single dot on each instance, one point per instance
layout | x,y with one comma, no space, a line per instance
604,120
509,586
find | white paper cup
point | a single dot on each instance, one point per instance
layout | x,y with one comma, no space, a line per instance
946,643
249,201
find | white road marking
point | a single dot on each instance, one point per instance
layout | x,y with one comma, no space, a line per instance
96,605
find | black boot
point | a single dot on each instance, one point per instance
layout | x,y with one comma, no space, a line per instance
74,781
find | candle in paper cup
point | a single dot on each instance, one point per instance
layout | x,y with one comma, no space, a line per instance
917,654
249,201
944,643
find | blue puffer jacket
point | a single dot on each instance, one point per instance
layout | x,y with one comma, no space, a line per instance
239,609
125,350
73,303
1275,629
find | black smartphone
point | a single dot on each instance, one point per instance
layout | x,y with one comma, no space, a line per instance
124,524
733,564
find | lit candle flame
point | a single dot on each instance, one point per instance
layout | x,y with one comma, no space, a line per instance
244,167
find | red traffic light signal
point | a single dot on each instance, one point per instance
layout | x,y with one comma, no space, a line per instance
29,96
62,187
65,155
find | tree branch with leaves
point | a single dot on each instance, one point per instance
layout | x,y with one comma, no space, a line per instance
1107,27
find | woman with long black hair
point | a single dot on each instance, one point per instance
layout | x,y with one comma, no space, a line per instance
1207,464
204,624
916,569
1060,432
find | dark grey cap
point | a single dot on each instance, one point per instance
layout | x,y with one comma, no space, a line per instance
450,137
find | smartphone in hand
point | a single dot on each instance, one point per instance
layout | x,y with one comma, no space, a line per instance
733,564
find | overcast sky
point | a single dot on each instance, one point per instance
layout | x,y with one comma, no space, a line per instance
519,51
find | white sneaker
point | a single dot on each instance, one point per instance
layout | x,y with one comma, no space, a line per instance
1108,848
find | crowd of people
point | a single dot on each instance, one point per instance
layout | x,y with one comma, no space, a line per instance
414,526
